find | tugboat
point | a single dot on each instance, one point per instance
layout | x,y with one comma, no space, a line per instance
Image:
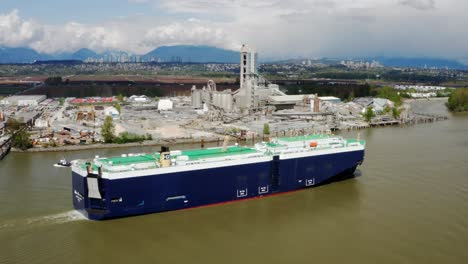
63,163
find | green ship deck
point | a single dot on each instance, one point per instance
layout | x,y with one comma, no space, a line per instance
274,147
196,154
305,138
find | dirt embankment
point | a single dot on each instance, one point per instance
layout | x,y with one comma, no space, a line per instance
138,144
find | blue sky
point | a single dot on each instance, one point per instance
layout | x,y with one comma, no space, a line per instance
276,28
83,11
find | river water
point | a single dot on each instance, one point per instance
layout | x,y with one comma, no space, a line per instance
408,204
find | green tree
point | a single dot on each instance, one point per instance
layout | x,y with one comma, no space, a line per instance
458,100
120,97
12,125
386,110
52,143
149,136
405,95
61,101
266,129
396,113
108,130
118,107
53,81
234,130
390,94
21,140
369,114
126,137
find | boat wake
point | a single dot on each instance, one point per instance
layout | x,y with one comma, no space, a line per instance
59,166
59,218
40,221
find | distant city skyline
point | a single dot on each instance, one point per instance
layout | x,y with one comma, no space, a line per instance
280,29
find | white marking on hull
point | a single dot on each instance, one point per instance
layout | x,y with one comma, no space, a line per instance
310,182
263,189
242,193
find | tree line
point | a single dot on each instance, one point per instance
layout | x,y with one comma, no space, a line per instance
108,134
458,100
342,91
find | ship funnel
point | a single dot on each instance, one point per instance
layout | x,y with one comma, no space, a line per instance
165,157
164,149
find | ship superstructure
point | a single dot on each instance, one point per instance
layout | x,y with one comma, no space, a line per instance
170,180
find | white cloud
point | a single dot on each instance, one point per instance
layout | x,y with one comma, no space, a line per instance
419,4
138,1
73,36
191,31
340,27
131,34
276,28
16,32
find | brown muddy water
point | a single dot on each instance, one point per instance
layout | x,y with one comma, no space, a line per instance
409,204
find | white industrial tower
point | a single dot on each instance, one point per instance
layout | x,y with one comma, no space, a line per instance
248,64
252,94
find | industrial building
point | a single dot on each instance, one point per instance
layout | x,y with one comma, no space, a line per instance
255,93
377,104
112,112
138,99
41,123
93,100
23,100
281,102
252,94
330,99
27,118
165,105
2,128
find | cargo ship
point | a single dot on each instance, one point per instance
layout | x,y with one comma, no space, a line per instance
134,184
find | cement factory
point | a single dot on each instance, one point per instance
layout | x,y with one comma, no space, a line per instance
206,115
252,94
256,95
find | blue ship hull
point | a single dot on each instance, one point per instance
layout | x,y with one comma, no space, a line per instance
180,190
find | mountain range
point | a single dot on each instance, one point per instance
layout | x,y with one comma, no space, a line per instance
21,55
180,53
187,53
197,54
421,63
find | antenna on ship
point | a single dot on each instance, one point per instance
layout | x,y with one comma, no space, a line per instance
225,143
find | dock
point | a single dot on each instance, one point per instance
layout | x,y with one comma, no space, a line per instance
418,118
384,123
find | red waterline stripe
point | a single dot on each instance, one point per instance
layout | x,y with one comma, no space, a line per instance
240,200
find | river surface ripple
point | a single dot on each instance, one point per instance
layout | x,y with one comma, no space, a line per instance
409,204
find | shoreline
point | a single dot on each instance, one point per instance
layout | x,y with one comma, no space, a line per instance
150,143
174,141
